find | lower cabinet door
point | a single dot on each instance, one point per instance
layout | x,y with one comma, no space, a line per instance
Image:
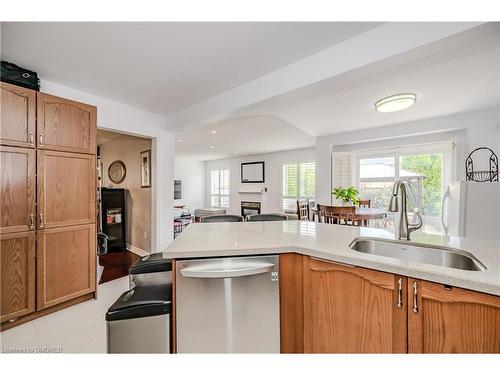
444,319
17,260
353,310
66,264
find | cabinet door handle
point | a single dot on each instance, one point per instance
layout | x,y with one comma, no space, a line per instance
32,221
40,224
40,139
415,299
400,293
31,138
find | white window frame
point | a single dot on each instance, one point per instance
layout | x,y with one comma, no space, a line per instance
426,148
283,197
219,195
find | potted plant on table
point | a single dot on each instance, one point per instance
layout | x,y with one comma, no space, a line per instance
347,196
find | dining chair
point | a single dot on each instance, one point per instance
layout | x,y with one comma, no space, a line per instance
343,215
222,219
367,203
303,209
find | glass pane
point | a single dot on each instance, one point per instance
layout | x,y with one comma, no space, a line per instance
290,176
214,201
224,201
307,179
378,191
377,168
214,182
224,181
425,172
290,204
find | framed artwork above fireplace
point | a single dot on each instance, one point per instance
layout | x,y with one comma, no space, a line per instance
252,172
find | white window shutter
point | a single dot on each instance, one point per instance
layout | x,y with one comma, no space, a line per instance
341,169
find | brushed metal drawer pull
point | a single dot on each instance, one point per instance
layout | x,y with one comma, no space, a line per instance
415,299
400,293
40,139
40,224
32,221
31,138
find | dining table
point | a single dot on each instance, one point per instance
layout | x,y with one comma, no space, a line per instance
362,214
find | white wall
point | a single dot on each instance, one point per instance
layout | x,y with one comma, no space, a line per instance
472,129
191,173
273,176
122,118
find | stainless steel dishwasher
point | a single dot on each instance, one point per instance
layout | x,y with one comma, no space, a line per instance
228,305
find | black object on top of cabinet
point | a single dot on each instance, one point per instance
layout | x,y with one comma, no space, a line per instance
113,218
15,75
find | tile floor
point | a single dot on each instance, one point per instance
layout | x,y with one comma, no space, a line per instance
77,329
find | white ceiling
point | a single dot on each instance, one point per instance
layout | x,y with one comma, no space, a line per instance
454,75
243,135
458,74
164,67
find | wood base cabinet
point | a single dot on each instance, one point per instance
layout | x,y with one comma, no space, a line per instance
66,263
445,319
17,260
328,307
350,309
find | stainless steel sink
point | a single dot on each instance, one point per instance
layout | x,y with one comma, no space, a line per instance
437,255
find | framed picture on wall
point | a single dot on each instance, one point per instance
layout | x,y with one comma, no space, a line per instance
146,169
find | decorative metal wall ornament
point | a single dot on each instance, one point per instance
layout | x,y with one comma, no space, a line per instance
490,175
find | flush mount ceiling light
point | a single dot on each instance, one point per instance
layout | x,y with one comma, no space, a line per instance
396,102
213,131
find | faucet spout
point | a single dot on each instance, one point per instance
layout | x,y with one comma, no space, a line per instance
400,189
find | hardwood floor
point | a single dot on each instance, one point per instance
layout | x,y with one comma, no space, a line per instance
116,265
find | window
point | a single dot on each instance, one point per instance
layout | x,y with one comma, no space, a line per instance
299,182
425,169
219,190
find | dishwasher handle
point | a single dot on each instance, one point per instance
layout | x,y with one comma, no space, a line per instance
222,270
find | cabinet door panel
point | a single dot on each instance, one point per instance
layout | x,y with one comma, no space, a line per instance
17,116
66,264
65,125
352,310
66,189
17,189
17,260
452,320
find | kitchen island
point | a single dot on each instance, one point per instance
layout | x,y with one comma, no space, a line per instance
335,299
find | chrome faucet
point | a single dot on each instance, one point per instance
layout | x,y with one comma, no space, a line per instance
405,228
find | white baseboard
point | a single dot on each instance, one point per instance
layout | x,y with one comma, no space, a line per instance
137,250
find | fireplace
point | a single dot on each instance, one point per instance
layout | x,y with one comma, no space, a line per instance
250,208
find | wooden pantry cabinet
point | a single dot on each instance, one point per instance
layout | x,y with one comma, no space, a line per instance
336,308
18,116
65,125
17,261
66,264
48,203
64,196
17,189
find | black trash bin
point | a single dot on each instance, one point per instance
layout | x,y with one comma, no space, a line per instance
153,269
140,321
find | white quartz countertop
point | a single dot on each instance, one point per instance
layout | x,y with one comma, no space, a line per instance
331,242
